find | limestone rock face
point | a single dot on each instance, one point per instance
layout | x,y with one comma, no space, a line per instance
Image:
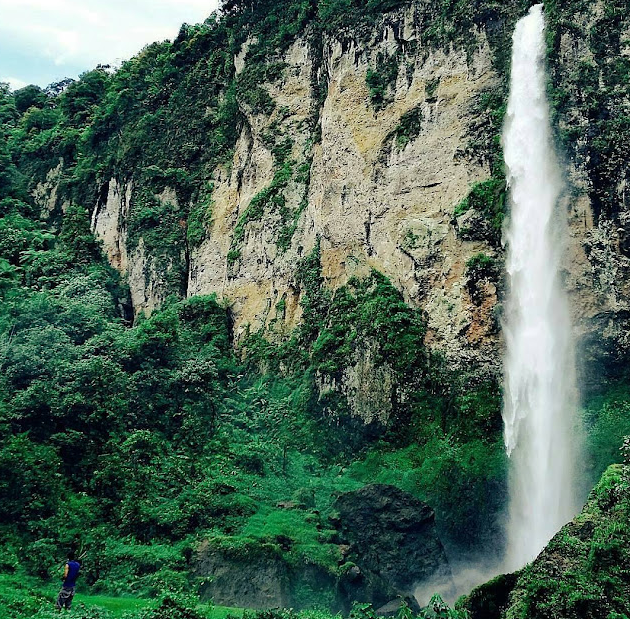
45,194
375,201
597,201
147,284
109,223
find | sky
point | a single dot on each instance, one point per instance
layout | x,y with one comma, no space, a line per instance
44,41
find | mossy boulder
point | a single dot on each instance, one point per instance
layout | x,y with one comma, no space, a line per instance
583,573
392,539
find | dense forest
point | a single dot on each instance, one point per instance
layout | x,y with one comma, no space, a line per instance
135,439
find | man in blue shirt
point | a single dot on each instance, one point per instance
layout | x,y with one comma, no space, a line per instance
70,573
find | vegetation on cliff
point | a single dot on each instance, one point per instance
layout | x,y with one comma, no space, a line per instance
136,442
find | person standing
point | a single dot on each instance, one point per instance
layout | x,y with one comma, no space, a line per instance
70,573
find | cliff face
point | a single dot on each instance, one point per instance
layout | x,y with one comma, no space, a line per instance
589,88
380,146
375,201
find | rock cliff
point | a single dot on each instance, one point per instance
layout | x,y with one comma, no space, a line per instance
375,200
386,543
383,145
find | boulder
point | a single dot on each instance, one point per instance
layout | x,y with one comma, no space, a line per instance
387,542
392,541
259,576
252,579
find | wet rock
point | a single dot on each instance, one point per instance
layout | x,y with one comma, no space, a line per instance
393,541
392,608
247,580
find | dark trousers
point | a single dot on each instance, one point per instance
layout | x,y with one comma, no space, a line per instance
64,600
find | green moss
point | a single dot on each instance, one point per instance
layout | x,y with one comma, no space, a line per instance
199,219
269,198
481,266
430,90
409,127
488,198
382,79
583,571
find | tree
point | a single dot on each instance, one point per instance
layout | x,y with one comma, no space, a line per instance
28,97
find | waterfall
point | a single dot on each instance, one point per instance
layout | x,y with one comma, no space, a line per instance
540,394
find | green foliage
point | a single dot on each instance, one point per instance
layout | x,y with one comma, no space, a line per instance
76,237
409,127
158,223
30,486
607,421
22,596
269,198
81,99
382,79
481,266
30,97
488,198
250,90
584,570
438,609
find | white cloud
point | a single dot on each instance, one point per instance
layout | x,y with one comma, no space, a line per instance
14,82
88,32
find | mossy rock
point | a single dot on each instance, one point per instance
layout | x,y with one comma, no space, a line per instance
583,573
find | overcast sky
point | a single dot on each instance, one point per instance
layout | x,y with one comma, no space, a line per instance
43,41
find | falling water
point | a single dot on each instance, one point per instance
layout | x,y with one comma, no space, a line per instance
540,387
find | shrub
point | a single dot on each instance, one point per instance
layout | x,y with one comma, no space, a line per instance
381,79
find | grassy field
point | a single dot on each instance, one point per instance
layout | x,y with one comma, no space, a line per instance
117,606
26,597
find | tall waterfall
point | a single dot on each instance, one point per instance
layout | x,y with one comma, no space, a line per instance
541,401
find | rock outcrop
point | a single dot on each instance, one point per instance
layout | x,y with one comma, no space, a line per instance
583,573
258,580
392,539
386,541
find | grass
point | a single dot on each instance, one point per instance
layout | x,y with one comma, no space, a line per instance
22,596
115,605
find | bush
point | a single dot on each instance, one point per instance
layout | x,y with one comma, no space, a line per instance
382,79
481,266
